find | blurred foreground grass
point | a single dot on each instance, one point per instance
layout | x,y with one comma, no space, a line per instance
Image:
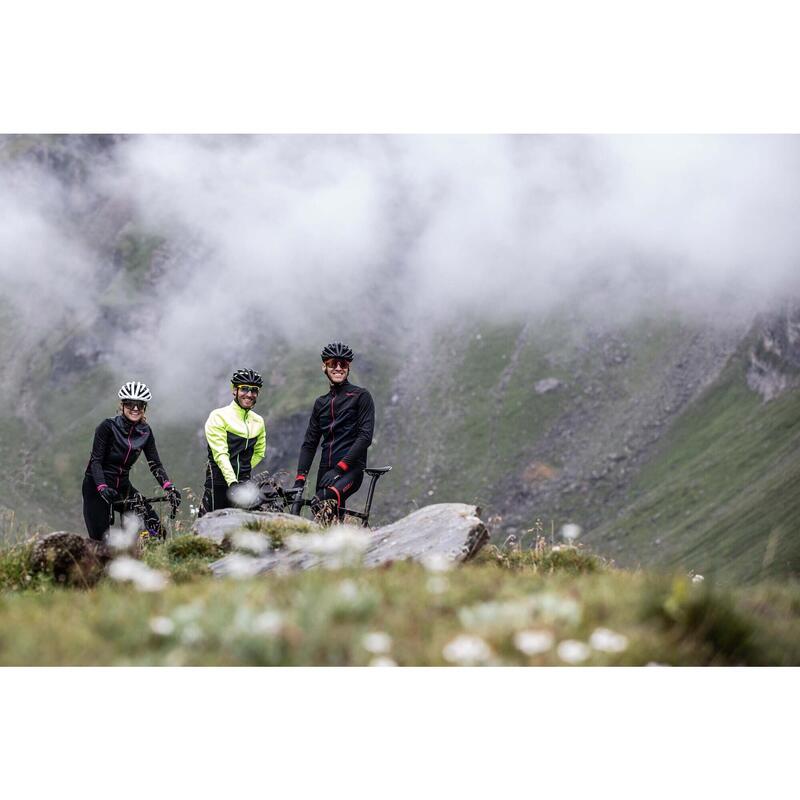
549,607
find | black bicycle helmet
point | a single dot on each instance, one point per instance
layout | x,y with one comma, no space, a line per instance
337,350
246,377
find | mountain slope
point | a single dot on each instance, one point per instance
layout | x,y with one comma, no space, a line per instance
722,495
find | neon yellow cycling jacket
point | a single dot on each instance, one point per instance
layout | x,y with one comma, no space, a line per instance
237,441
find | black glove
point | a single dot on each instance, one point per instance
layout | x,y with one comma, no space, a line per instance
109,495
174,500
329,478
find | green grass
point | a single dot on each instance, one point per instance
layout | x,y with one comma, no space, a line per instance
321,617
722,495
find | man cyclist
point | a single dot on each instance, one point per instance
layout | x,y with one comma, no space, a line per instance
344,419
237,441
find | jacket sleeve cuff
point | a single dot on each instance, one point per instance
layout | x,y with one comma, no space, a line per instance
342,466
300,477
102,486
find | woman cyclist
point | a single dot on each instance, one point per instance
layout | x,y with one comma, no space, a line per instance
118,441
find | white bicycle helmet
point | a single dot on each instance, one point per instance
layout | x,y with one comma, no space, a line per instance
134,390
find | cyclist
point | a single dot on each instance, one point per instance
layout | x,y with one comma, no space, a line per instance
118,441
237,441
344,418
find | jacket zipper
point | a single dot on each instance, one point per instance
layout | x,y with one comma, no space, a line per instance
246,443
333,419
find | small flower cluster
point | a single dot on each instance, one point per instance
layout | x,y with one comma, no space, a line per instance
128,570
379,644
341,546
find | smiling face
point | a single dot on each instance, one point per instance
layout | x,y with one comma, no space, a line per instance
246,396
133,410
337,370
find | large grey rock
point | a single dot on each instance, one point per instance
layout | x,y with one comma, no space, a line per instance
453,530
217,524
442,533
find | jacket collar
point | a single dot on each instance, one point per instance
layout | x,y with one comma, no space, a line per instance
241,412
341,387
125,425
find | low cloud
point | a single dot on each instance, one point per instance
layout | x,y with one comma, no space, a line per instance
301,239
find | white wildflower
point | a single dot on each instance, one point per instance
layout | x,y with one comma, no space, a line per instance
533,642
437,562
570,531
124,537
437,584
697,578
340,546
348,590
268,623
467,650
162,626
252,542
140,575
607,641
241,566
377,642
244,495
573,652
383,661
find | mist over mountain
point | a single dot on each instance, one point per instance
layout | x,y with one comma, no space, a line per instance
464,270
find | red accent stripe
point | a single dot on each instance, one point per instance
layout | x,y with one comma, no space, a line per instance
300,477
342,466
333,419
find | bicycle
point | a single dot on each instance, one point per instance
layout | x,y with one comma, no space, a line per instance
275,498
142,507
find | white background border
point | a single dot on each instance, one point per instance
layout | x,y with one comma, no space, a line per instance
364,67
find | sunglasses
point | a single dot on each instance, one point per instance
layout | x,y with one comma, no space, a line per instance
134,404
332,363
250,389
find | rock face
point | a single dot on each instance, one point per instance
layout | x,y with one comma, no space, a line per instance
451,532
70,559
546,385
775,358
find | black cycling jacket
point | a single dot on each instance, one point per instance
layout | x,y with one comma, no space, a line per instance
344,419
117,444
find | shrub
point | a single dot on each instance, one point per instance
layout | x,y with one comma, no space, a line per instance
184,547
569,559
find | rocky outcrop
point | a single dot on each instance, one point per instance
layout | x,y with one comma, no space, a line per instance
774,361
70,559
445,533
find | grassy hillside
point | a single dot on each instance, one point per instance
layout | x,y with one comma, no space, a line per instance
722,495
510,607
